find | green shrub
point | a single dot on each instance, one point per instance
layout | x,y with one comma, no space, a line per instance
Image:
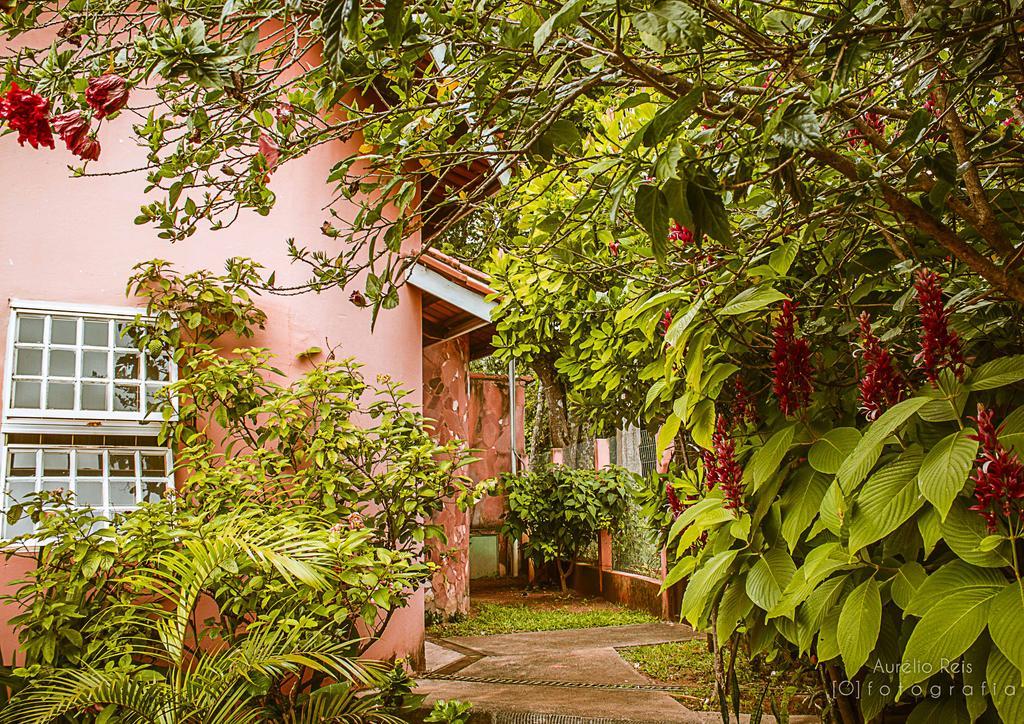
562,509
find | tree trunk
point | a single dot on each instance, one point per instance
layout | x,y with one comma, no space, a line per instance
564,432
564,573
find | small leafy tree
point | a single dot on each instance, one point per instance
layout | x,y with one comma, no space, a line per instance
560,510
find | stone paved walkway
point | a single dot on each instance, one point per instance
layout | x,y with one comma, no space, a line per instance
582,660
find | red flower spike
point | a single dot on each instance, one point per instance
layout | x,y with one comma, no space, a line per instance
882,385
666,322
27,113
743,408
613,247
792,375
720,467
673,500
679,233
940,346
998,478
106,94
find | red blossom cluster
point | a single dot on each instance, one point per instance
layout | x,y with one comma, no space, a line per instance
27,113
792,374
720,467
613,247
874,121
999,477
940,346
882,385
674,503
666,322
743,408
106,94
679,233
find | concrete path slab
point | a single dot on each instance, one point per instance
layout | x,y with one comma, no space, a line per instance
572,676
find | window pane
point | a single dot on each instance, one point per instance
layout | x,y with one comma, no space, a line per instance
89,463
126,398
21,463
89,492
125,337
94,364
21,527
94,396
63,331
154,465
158,370
154,401
54,485
62,363
122,465
60,396
126,366
56,463
28,361
19,490
122,492
30,329
153,490
26,394
97,334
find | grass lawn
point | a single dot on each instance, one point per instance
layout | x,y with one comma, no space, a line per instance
503,618
689,665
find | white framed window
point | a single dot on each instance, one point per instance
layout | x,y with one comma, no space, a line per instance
80,409
107,473
80,364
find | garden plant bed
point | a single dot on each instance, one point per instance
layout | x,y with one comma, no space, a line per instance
690,666
513,610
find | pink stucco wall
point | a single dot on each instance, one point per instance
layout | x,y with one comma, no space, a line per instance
74,240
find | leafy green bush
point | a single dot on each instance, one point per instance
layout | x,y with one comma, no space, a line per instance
561,509
294,535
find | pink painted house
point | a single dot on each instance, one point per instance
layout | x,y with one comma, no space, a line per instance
74,396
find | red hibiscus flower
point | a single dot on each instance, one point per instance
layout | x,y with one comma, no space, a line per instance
106,94
27,113
73,129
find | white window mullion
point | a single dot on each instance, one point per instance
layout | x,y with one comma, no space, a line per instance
44,386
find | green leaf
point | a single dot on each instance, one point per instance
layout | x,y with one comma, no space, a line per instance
651,211
905,583
801,501
702,423
565,15
751,300
782,258
945,469
733,608
975,685
798,127
830,450
952,577
859,624
708,577
667,433
672,21
666,121
964,530
945,632
768,578
859,463
393,18
1004,683
888,499
766,459
998,373
1006,623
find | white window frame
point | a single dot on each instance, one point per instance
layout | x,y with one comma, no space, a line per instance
109,424
106,479
32,419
